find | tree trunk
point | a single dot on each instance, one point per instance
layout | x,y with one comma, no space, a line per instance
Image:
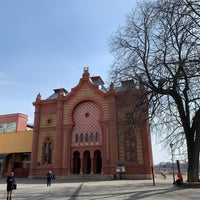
193,164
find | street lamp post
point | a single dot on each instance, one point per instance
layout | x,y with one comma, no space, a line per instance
171,146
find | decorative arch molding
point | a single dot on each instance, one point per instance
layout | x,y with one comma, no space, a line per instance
86,129
85,99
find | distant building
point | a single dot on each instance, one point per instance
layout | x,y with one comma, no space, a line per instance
13,123
15,144
90,130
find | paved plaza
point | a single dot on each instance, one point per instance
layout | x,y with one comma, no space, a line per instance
33,189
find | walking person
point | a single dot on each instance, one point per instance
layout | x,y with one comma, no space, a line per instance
11,185
49,178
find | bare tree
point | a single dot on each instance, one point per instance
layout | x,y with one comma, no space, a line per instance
195,7
160,48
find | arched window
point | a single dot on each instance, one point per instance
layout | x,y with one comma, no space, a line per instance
92,137
86,137
128,150
132,150
47,152
81,137
76,137
97,136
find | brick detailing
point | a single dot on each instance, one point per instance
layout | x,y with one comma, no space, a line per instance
87,130
107,145
48,121
139,147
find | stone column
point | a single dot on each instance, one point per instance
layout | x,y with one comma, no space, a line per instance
81,165
92,163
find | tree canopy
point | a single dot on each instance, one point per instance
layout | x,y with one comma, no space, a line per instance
159,46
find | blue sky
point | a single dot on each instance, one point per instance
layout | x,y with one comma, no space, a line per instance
45,44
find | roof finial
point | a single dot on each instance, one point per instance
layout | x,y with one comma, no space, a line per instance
39,97
111,88
86,72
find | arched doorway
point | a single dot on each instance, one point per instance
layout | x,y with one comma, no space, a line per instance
86,162
76,162
97,162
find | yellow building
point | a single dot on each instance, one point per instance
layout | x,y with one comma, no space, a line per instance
15,144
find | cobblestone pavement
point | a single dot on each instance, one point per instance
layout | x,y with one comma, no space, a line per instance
31,189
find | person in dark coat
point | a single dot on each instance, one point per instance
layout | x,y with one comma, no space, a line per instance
49,178
10,185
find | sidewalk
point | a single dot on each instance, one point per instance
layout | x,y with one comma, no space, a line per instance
31,189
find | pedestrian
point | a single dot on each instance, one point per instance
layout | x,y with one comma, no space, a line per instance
11,185
179,180
49,178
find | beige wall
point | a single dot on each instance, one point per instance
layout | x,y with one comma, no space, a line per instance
17,142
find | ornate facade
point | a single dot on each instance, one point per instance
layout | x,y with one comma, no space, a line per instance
87,131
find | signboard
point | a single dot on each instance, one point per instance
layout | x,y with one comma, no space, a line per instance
120,169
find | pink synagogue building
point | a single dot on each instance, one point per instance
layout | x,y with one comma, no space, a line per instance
87,132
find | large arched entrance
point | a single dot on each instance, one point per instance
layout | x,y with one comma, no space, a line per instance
86,162
97,162
86,135
76,162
